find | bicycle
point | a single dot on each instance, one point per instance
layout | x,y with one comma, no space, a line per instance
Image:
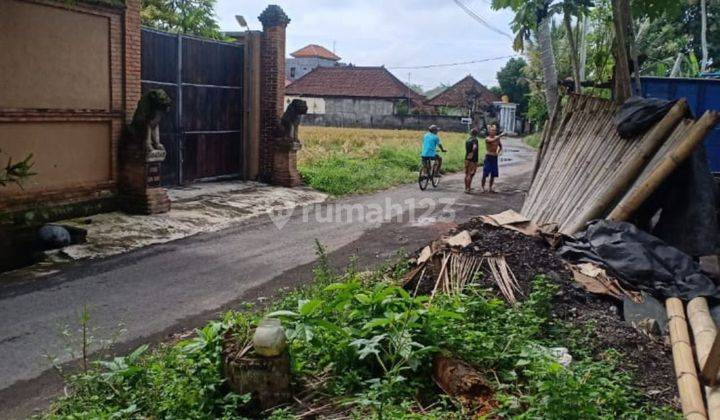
425,177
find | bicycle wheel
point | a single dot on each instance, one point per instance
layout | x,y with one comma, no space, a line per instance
422,178
436,176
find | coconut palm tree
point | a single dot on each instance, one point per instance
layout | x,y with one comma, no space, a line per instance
533,16
573,9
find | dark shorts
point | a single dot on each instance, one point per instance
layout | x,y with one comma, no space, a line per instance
490,166
427,159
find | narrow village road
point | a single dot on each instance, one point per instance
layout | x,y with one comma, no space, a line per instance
153,292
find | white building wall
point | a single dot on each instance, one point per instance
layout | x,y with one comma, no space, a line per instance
315,105
296,68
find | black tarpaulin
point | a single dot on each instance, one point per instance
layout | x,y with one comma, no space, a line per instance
639,260
638,114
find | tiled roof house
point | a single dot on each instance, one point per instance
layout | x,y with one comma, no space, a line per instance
308,58
456,96
357,94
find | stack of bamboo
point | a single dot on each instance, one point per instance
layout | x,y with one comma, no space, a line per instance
707,349
585,168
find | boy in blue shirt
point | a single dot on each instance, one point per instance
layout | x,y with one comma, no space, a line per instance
431,142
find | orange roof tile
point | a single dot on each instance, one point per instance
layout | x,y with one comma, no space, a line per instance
313,50
352,81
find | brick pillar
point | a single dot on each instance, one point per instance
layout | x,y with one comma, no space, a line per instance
132,57
139,177
272,84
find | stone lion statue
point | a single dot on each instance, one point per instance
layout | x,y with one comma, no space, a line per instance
146,121
290,120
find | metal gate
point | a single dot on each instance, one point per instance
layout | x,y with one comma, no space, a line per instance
204,79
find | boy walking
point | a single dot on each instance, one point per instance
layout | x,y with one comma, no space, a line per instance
493,148
471,159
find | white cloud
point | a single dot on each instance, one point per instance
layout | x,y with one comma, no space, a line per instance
394,33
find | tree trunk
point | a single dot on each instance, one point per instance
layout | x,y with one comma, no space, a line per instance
573,50
583,47
547,60
633,52
623,88
703,35
675,72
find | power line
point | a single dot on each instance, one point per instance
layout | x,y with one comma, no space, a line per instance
430,66
473,14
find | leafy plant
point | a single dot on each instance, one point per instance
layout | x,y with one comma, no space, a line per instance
16,172
374,343
195,17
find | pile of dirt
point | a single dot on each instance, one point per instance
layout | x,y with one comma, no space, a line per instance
648,359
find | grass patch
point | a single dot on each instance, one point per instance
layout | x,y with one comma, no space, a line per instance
343,161
533,140
373,343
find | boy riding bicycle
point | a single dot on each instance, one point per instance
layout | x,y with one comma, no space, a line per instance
431,142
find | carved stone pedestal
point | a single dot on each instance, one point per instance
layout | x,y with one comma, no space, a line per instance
285,171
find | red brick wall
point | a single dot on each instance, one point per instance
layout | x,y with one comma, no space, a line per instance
125,55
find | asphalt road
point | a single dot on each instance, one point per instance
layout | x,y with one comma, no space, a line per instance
149,294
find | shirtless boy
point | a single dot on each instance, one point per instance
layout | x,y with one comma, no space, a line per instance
493,148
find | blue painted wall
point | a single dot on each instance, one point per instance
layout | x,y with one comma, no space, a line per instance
701,95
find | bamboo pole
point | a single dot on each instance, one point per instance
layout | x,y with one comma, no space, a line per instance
545,137
638,195
704,333
710,368
571,169
650,145
685,371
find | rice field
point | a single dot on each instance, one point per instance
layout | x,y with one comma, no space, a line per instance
343,161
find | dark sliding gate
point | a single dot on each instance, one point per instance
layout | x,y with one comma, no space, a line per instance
204,78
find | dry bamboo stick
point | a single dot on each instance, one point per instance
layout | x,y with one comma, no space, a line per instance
544,139
547,163
566,170
439,278
420,279
650,144
567,174
704,333
639,194
600,162
685,371
585,149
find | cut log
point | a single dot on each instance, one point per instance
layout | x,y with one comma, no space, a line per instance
691,398
460,380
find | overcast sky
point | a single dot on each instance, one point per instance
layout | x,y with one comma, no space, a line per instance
392,33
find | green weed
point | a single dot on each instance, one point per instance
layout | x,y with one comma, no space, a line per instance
375,343
533,140
348,161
